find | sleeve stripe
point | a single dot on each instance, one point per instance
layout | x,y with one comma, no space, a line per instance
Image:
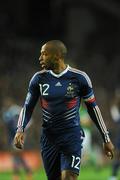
21,118
90,99
88,95
102,124
100,120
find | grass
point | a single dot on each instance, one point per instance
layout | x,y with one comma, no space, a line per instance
87,173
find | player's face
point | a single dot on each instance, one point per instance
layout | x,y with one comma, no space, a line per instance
48,58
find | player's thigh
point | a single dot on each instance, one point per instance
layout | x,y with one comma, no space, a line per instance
68,175
51,159
52,165
71,153
70,164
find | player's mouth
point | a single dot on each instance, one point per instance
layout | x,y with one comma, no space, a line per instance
42,64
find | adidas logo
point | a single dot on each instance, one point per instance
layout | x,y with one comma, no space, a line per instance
58,84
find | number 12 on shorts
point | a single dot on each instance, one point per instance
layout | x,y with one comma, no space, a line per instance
75,162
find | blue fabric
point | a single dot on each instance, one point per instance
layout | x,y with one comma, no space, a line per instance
60,98
61,151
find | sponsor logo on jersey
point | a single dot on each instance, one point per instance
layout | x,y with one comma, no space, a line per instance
58,84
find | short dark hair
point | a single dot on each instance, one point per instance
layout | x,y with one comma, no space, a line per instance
59,45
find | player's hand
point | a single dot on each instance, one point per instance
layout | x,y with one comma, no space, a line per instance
109,149
19,140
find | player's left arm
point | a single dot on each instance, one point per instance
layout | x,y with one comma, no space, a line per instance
95,114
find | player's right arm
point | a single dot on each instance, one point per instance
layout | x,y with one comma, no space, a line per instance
26,112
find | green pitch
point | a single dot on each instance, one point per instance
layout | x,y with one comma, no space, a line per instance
87,173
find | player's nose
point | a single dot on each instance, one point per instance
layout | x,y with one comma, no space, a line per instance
40,58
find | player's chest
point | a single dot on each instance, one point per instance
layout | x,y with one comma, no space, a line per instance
58,88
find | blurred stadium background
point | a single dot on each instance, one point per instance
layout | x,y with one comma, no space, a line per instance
91,31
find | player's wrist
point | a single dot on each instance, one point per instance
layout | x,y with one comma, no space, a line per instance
106,137
20,129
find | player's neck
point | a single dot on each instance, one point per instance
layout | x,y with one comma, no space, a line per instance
60,68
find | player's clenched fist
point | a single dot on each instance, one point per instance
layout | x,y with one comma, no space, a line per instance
109,149
19,140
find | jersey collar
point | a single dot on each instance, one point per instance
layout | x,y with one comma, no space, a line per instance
60,74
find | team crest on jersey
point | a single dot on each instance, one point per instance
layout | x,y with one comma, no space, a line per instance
70,90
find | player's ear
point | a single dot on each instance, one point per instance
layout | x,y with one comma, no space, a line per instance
58,55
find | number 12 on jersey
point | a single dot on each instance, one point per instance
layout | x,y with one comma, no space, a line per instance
44,89
75,162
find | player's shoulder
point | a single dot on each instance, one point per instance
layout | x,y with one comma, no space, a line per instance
81,75
38,75
78,72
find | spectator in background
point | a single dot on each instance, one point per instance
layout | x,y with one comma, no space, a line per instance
10,114
115,114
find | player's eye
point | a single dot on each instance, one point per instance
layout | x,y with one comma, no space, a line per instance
45,54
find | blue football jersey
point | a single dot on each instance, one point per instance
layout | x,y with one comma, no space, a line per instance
60,97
